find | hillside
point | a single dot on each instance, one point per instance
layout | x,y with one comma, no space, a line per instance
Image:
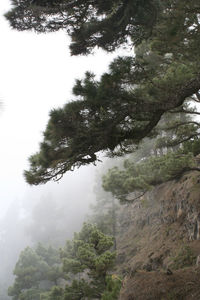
159,242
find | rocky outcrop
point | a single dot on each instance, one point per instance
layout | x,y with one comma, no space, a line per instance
156,230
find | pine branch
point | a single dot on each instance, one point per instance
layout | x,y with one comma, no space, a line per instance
184,111
175,143
180,124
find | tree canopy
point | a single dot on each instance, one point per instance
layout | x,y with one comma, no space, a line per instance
89,254
167,156
105,24
34,267
115,113
80,270
138,178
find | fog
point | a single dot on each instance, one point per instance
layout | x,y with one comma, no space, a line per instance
37,74
48,214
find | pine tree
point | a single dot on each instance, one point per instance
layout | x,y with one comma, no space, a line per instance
34,267
86,262
115,113
87,256
138,178
95,23
108,117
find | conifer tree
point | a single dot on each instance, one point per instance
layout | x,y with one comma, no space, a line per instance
135,179
87,261
89,23
33,267
88,255
115,113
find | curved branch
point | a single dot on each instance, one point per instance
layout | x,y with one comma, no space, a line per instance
125,200
174,143
180,124
184,111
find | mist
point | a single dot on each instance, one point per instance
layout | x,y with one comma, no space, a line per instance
49,215
37,74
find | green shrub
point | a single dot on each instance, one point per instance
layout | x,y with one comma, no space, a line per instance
113,286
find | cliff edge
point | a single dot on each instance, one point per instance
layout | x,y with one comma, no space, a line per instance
159,243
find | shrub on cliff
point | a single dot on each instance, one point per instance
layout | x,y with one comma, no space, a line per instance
142,176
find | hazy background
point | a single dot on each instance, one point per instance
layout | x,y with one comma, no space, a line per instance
36,75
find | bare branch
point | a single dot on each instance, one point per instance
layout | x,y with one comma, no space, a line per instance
125,200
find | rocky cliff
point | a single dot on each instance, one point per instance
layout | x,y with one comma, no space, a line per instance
159,243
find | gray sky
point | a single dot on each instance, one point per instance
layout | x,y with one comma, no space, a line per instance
36,75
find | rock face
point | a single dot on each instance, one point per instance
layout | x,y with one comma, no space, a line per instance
160,232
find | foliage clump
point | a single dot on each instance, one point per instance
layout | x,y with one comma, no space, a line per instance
84,266
113,114
34,267
96,23
88,255
142,176
113,286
